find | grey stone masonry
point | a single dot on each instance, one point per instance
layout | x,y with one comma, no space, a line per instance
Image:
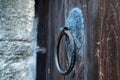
16,50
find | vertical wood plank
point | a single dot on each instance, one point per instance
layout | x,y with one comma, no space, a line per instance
108,45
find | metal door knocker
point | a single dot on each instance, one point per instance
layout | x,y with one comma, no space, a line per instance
74,32
68,34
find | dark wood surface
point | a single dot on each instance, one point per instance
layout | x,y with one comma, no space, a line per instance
108,39
102,28
41,12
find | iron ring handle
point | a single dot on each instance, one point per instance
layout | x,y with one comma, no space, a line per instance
65,32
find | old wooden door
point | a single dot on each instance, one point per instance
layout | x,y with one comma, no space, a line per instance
102,44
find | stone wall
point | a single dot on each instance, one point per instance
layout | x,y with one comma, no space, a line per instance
16,50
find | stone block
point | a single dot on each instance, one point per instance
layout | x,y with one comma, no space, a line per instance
15,60
16,19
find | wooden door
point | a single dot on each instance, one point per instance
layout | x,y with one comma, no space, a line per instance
102,48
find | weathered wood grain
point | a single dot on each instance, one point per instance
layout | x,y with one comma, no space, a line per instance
108,45
102,25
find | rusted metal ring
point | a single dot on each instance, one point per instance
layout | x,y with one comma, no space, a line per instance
73,57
